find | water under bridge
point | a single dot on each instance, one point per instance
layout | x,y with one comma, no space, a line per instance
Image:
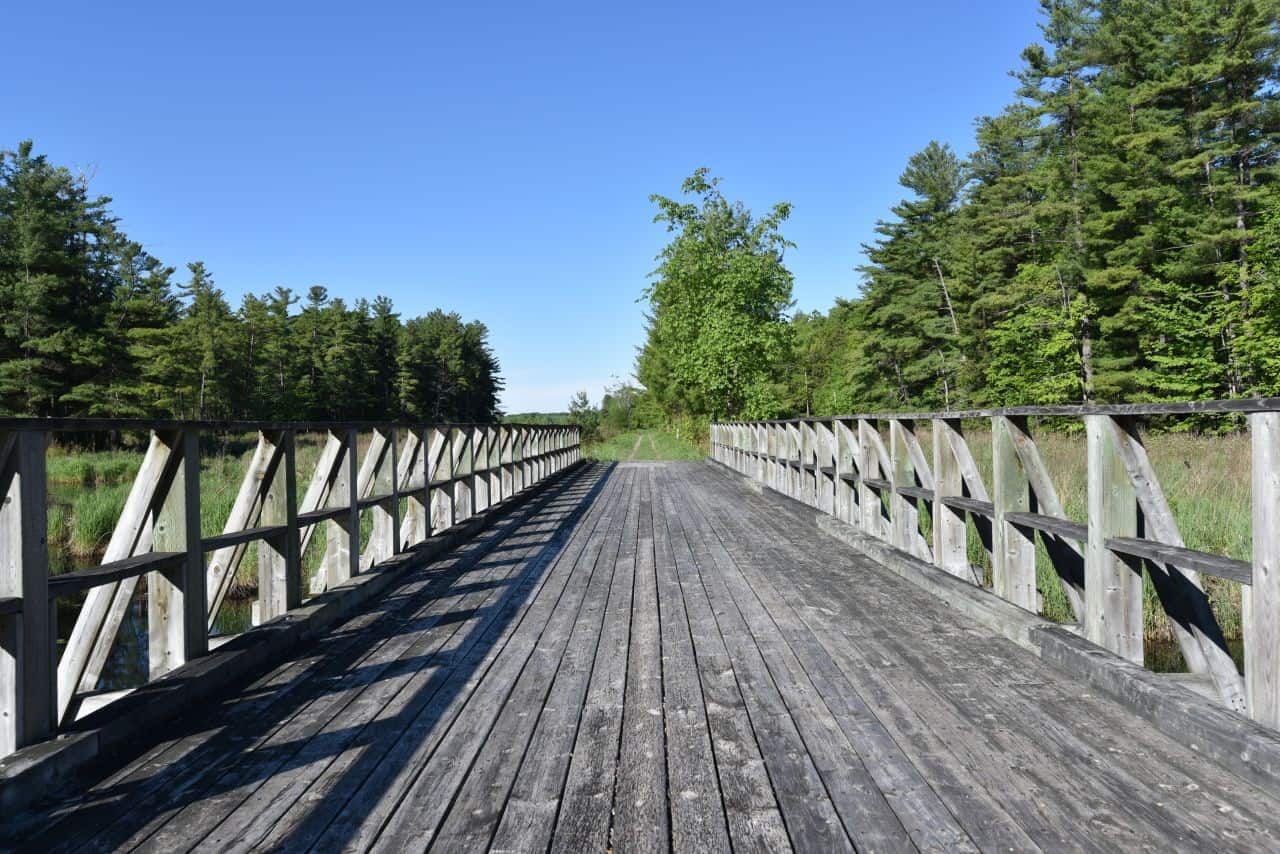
782,647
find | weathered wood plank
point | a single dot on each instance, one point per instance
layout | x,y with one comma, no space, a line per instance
812,820
528,818
1113,591
417,812
695,801
426,681
380,692
377,796
482,797
584,820
862,769
751,809
641,814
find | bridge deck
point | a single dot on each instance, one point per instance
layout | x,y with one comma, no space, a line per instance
659,657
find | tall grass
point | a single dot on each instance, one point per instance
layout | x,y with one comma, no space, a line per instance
88,490
93,518
1206,481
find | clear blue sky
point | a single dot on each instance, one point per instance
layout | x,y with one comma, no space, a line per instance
496,159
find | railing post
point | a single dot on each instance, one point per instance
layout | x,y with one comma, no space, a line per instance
826,459
439,475
506,442
846,454
950,532
906,516
495,464
1113,591
1261,600
524,469
791,452
1013,566
280,556
417,522
534,444
460,447
176,609
479,469
761,435
868,499
28,694
384,539
807,490
342,536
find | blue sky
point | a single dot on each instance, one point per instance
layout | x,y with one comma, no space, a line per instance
496,159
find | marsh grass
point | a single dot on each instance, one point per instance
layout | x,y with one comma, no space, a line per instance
1206,481
88,489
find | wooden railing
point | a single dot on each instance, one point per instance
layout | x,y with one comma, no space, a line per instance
443,474
872,472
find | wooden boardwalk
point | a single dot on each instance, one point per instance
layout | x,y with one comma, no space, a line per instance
649,657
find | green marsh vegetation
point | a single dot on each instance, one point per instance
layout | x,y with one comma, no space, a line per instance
88,490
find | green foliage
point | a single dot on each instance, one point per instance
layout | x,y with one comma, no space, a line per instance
91,325
718,343
538,418
1114,237
585,416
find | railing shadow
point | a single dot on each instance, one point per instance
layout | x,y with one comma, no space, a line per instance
233,759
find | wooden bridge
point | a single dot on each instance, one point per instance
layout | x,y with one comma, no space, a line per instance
529,652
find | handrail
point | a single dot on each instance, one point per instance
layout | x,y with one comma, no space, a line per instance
446,472
843,466
1235,405
99,425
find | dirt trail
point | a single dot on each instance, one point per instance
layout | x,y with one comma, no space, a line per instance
636,446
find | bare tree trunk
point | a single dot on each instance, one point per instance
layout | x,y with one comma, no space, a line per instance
946,298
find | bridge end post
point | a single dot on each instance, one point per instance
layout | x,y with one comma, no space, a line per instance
28,695
1261,599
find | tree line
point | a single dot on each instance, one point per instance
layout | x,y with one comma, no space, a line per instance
1114,236
91,324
